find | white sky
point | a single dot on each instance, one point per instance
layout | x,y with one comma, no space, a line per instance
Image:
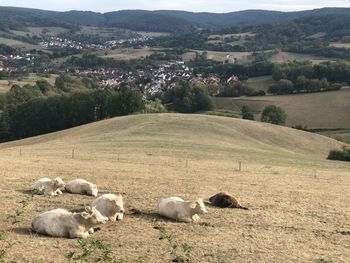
217,6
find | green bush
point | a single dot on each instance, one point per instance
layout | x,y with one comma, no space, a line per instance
187,98
340,155
274,114
154,106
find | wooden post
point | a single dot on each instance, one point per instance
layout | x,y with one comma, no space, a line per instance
118,157
239,166
20,151
72,153
314,173
186,163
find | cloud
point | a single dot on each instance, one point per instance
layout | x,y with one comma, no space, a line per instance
189,5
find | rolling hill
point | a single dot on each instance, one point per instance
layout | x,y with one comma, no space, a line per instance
302,109
283,180
160,20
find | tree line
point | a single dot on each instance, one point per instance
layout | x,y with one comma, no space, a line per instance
301,77
42,108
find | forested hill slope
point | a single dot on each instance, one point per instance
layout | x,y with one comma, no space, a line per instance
161,20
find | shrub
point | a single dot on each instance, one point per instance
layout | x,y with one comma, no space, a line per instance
187,98
340,155
274,114
248,116
154,106
246,113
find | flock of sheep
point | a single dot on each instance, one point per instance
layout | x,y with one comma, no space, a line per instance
109,207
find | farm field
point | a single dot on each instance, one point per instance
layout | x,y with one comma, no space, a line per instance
296,198
215,39
283,57
17,44
218,56
5,85
339,45
261,83
32,31
127,53
323,110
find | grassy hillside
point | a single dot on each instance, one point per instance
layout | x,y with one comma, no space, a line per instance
283,181
31,79
284,57
316,110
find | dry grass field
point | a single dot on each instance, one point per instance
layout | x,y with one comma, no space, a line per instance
283,57
261,83
316,110
5,85
17,44
339,45
218,56
298,201
32,31
127,53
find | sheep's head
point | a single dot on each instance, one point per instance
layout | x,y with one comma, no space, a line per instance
93,216
58,183
199,207
119,207
93,190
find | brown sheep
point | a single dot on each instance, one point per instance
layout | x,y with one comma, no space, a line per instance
225,200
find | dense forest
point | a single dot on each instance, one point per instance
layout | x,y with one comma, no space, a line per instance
42,108
163,20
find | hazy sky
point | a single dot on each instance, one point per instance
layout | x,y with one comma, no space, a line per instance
189,5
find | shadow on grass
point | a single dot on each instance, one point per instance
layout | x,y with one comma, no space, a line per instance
147,215
24,231
26,191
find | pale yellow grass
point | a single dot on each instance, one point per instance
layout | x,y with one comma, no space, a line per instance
5,85
283,57
39,30
128,53
315,110
339,45
261,83
17,44
153,34
218,56
297,199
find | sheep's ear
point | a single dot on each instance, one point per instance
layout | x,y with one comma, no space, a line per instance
88,209
85,215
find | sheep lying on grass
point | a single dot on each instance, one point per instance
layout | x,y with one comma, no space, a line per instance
180,210
48,186
81,186
225,200
110,206
62,223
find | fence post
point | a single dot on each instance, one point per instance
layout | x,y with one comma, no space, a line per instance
73,153
186,163
20,151
240,166
118,157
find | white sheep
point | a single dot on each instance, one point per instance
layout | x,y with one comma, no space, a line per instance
180,210
110,205
48,186
81,186
62,223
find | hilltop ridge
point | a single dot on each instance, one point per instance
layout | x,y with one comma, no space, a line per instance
158,20
194,134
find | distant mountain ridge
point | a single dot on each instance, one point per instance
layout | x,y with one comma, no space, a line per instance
160,20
